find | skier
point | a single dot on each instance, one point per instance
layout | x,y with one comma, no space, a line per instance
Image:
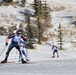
14,43
22,48
55,50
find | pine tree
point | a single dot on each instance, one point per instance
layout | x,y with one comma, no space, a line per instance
37,6
39,30
2,30
46,15
29,33
60,42
23,1
45,11
41,13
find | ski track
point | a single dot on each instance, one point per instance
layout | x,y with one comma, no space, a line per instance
53,67
41,62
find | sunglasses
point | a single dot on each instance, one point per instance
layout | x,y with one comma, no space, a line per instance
18,33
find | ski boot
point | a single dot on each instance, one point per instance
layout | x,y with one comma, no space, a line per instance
19,60
57,55
23,61
4,61
52,56
27,59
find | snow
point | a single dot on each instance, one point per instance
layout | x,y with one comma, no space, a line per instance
40,57
29,1
12,16
41,61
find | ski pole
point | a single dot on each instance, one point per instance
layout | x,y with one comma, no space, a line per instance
49,44
3,50
16,54
62,54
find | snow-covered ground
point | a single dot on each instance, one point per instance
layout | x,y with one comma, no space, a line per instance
41,61
14,17
40,57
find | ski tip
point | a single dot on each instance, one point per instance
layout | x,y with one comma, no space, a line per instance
7,62
16,63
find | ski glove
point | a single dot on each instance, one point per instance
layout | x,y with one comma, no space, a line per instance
26,40
6,44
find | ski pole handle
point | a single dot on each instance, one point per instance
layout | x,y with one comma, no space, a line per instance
6,44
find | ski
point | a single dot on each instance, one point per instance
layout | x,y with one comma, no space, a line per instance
7,63
54,57
16,63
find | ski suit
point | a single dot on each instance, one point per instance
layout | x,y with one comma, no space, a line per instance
14,43
22,48
55,50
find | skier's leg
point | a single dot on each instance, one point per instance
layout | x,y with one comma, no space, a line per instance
7,53
57,54
23,52
18,47
19,58
53,54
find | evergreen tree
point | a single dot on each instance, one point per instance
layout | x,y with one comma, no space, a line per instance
2,30
21,29
45,11
46,15
23,1
40,29
60,42
41,13
29,33
37,6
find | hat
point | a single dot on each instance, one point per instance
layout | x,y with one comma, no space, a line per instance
18,32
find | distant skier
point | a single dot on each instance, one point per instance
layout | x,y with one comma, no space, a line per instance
55,50
22,48
14,43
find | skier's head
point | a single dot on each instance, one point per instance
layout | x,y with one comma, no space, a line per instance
18,33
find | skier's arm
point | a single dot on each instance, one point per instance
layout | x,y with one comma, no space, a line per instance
7,39
52,47
25,39
57,48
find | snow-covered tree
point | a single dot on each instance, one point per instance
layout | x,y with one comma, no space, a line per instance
29,31
60,40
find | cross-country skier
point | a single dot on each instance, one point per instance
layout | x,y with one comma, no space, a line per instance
14,43
55,50
22,48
